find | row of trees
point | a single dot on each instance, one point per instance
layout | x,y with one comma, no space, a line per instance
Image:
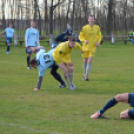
113,16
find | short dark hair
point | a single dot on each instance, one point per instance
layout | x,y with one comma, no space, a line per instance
71,38
33,61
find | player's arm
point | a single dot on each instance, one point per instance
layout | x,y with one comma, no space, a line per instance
38,42
99,38
26,39
39,83
2,32
82,35
38,48
40,78
79,47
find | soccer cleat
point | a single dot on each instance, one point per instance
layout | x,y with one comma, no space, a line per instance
85,79
97,115
28,68
7,52
73,85
62,85
72,88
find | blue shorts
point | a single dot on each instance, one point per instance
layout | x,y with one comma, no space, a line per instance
8,40
28,51
131,102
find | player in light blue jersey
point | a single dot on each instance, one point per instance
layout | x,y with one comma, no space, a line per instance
31,40
9,35
44,61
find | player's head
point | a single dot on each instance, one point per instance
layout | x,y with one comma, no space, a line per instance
10,24
33,23
91,19
71,42
33,63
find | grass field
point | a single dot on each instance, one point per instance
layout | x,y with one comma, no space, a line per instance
61,111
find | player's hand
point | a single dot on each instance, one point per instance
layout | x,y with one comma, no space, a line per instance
97,44
70,64
82,51
36,89
86,41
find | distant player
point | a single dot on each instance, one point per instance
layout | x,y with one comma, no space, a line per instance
62,37
31,39
44,61
90,36
125,98
62,58
9,35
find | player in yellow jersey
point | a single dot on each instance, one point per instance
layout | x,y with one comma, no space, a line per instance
90,36
61,56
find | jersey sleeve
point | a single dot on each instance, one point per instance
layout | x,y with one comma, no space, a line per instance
82,35
78,46
99,36
41,72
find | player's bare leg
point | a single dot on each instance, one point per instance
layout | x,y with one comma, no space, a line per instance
124,114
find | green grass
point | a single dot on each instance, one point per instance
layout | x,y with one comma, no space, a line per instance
61,111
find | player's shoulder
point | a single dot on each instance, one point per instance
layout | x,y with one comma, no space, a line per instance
96,26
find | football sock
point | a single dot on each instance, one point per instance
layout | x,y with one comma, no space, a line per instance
67,80
108,105
8,48
84,67
88,69
28,59
70,75
58,78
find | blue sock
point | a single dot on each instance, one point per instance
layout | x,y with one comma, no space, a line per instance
58,78
8,48
28,59
108,105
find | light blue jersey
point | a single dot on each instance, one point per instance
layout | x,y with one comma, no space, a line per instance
32,35
9,32
45,61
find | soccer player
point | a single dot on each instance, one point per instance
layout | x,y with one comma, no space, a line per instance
31,39
61,56
62,37
44,61
125,98
9,35
90,36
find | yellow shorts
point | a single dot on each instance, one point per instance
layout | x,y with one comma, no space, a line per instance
89,53
58,61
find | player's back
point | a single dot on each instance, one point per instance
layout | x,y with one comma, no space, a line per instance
45,60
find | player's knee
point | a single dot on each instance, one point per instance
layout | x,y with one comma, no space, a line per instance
118,97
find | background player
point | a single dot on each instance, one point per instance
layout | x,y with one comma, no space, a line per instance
31,39
90,36
9,35
62,58
44,61
125,98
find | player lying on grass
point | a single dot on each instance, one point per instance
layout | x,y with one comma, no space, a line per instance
61,56
44,61
125,98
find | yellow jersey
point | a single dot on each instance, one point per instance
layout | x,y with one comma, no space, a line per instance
62,52
92,35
